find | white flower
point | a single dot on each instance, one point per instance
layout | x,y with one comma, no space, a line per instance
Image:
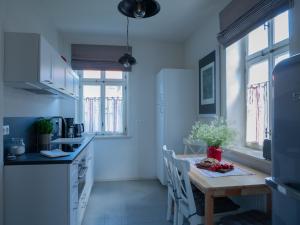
216,133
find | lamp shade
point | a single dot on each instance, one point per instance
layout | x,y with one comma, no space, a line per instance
139,8
127,60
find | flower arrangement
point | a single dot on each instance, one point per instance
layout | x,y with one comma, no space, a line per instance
216,133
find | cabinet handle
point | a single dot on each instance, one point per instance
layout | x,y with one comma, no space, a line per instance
75,208
62,89
48,81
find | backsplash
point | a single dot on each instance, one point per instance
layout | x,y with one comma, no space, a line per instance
21,127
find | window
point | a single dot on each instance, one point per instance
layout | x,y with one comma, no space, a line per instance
266,46
104,102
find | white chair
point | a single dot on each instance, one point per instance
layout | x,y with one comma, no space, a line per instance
172,199
186,206
191,201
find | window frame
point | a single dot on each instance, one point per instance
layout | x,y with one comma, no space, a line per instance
103,82
270,53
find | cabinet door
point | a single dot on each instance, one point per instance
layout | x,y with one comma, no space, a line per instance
76,86
70,81
59,72
45,62
74,193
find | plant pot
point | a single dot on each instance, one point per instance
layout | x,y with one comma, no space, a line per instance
214,152
44,141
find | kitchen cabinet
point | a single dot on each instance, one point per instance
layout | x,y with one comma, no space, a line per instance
89,180
76,86
49,194
40,69
59,74
46,62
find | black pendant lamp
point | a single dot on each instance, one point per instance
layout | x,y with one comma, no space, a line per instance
127,60
139,8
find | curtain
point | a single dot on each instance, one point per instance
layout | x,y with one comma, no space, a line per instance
242,16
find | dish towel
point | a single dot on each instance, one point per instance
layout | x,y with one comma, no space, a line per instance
54,153
235,172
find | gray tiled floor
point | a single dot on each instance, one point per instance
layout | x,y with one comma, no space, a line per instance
127,203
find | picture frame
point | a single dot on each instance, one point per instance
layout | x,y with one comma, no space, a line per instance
207,85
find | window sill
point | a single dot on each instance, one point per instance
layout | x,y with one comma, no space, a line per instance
112,136
250,157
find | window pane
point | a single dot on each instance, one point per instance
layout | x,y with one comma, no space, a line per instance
91,74
281,57
92,107
258,72
257,103
281,27
114,75
258,39
114,108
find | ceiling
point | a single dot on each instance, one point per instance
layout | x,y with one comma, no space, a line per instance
177,20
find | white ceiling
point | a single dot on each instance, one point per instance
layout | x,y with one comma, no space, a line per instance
177,20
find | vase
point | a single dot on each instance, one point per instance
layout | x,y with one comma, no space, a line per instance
44,141
214,152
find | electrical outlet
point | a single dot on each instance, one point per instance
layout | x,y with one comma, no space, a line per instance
6,130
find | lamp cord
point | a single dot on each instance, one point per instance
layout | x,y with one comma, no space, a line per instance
127,34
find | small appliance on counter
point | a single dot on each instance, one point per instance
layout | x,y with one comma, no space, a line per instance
64,128
70,129
15,146
79,129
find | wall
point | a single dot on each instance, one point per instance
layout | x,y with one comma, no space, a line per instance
295,28
134,157
201,43
26,16
1,111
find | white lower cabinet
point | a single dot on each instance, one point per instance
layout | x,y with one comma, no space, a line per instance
48,194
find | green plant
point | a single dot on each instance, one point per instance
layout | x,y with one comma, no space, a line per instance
216,133
44,126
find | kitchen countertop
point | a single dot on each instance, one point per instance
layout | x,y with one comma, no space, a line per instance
37,158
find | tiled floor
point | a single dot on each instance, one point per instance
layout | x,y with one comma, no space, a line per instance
127,203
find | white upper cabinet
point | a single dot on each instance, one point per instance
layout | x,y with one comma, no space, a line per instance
70,81
59,73
32,63
46,62
76,86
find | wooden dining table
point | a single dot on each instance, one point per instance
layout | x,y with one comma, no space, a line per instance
242,185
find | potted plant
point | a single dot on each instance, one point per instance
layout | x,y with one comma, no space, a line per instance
215,134
44,129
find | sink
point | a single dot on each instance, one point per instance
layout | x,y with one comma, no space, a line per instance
68,141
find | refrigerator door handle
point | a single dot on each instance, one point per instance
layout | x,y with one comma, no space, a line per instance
283,188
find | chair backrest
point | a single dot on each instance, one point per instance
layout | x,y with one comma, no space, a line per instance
168,157
183,183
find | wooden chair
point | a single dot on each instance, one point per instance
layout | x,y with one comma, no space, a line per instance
191,201
172,199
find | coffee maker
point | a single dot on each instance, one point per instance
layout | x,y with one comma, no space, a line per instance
78,129
70,128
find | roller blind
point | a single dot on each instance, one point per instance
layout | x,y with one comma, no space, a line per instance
242,16
98,57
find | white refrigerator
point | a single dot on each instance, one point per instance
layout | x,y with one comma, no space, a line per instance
176,111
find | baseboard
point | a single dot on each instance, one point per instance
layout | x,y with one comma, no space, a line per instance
126,179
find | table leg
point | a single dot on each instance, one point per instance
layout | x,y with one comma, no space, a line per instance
209,209
269,204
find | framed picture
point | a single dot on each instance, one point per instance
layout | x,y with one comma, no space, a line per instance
207,85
